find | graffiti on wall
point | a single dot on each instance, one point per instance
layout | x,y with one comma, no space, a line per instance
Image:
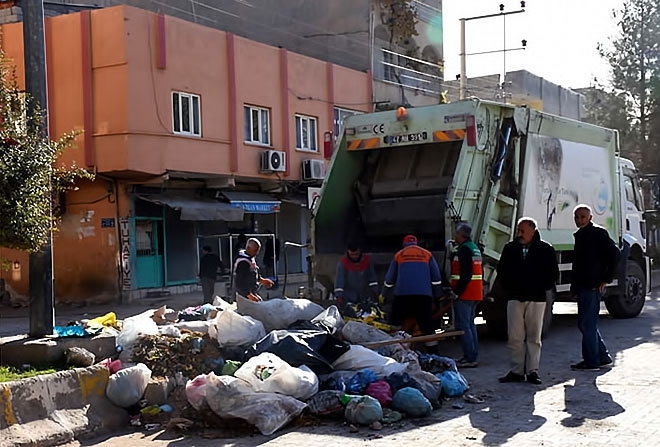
125,253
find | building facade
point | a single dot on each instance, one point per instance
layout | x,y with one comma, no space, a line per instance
362,35
196,135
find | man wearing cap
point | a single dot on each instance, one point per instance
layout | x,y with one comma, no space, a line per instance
355,277
466,281
414,279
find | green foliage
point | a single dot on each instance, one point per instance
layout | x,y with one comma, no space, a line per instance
607,108
633,55
8,374
401,19
29,177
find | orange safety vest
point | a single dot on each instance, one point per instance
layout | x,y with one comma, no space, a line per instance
475,288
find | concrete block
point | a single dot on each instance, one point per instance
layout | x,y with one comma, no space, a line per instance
54,408
50,351
157,391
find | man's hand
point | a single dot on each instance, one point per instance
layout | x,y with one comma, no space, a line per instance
602,287
340,301
254,297
267,283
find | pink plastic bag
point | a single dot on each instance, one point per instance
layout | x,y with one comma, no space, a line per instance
113,366
196,391
381,391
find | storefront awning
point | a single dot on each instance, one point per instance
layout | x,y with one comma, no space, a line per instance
196,208
253,202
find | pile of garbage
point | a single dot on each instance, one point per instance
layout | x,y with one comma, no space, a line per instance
269,362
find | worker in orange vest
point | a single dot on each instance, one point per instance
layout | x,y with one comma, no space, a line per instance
466,281
414,279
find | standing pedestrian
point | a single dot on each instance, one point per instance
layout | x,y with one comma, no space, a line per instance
595,259
209,264
527,271
271,254
466,281
414,279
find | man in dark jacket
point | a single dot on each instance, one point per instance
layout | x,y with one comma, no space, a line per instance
595,259
527,271
247,279
355,277
414,279
209,264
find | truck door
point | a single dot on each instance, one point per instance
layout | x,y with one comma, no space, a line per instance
634,224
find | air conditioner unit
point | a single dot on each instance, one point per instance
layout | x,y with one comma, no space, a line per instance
313,169
273,161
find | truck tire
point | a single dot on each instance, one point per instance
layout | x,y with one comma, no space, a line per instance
630,304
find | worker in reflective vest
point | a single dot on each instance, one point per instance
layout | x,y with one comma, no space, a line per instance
414,279
466,281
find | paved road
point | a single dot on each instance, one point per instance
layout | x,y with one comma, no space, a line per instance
615,407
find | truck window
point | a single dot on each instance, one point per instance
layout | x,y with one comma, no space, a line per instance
632,192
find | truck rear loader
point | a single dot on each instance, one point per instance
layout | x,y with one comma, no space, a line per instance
423,170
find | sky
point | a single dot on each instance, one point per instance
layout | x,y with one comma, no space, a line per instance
561,35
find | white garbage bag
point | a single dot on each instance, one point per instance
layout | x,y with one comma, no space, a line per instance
268,373
230,397
232,329
278,313
134,327
126,386
359,357
358,332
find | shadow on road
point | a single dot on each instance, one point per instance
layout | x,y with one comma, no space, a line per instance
585,401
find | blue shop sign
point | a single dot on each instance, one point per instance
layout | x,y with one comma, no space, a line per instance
258,207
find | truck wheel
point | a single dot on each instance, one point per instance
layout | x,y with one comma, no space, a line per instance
630,304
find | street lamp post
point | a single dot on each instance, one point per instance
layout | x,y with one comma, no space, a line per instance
463,76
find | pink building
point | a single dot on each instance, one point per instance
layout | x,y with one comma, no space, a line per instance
194,133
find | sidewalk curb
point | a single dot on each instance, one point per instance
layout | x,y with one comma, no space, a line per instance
53,409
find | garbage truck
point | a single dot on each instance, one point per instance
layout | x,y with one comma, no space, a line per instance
423,170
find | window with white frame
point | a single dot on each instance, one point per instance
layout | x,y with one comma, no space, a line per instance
306,133
257,125
186,114
340,115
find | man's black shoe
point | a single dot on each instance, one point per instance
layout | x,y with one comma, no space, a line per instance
534,378
607,361
583,366
512,377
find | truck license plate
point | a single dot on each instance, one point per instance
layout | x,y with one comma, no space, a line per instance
406,138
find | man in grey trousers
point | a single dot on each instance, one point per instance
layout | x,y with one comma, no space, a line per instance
527,271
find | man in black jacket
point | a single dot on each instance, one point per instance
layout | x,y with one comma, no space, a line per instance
209,264
528,271
595,258
247,279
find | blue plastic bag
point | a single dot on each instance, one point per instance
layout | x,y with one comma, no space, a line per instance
69,331
453,383
360,381
412,402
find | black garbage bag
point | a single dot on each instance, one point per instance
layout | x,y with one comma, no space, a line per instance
315,348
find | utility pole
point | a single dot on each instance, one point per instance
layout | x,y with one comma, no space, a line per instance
463,75
42,309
